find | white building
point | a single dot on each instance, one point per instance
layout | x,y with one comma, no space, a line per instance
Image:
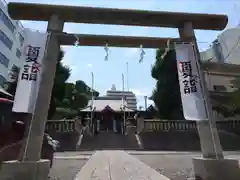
224,61
225,49
223,67
219,77
11,41
129,96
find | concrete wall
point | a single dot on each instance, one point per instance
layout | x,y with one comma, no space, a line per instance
183,136
219,80
183,141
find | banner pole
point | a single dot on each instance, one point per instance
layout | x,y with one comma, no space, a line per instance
206,104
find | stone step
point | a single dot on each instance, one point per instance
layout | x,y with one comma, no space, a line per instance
109,140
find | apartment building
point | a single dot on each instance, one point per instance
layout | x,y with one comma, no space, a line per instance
129,96
225,49
11,43
221,64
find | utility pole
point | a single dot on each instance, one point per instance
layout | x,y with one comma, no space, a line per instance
127,76
123,104
92,76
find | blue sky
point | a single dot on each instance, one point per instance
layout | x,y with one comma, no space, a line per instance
84,60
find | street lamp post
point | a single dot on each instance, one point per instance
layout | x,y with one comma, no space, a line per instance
92,75
127,76
123,105
92,104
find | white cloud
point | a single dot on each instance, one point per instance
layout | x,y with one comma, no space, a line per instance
137,92
140,92
89,65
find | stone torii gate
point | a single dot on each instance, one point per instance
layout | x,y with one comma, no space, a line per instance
57,15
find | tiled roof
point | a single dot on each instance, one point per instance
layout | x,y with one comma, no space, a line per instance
100,105
152,107
108,98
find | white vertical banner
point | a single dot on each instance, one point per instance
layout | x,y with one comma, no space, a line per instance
30,73
189,81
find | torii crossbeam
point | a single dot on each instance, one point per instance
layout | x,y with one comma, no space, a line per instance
94,15
113,41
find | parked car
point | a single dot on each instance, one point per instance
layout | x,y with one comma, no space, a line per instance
12,134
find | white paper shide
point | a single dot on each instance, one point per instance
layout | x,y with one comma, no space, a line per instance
189,81
30,73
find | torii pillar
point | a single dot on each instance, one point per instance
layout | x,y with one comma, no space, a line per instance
32,167
210,143
212,166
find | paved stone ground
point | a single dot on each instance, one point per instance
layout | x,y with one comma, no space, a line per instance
176,166
64,169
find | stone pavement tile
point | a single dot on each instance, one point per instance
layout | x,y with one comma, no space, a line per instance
95,168
145,170
120,168
117,165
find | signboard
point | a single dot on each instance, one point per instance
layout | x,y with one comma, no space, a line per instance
189,81
30,73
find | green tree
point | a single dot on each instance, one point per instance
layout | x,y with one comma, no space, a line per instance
166,94
78,94
75,96
58,93
82,87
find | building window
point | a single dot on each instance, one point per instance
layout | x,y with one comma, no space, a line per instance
4,60
21,39
18,53
5,40
219,88
2,80
7,21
